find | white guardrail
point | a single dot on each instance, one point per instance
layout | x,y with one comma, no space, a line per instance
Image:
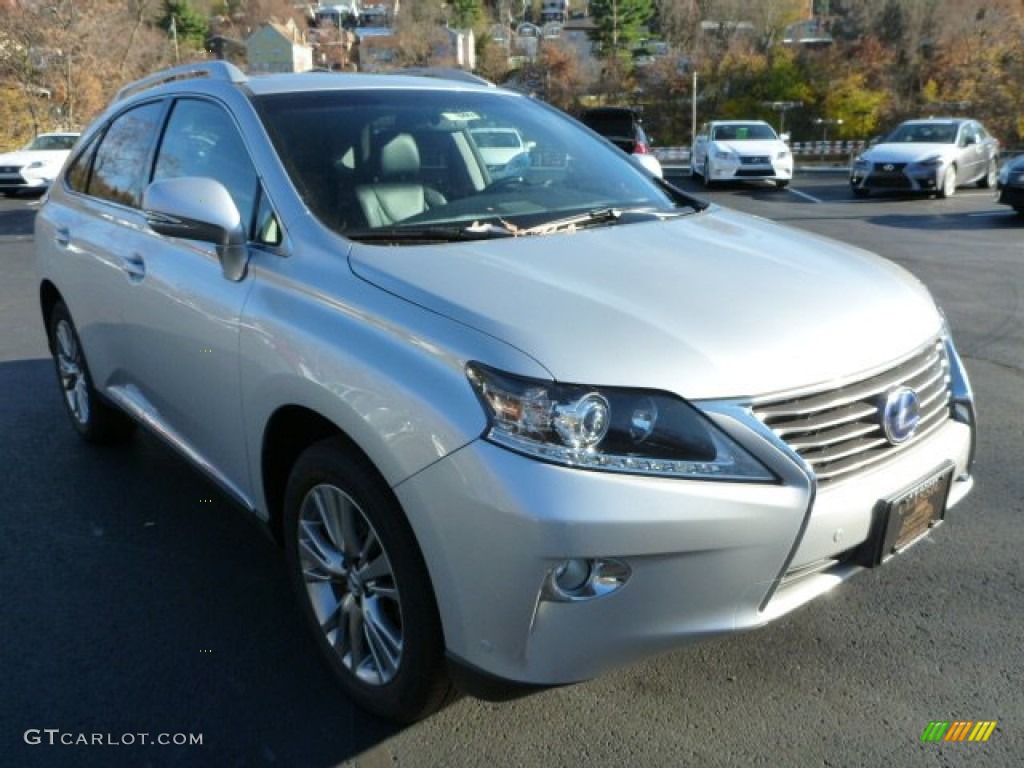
835,150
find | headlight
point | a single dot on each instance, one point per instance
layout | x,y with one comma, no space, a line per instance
860,162
783,154
36,164
931,162
609,428
722,154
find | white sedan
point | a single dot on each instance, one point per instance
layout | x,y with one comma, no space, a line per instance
503,150
34,167
740,150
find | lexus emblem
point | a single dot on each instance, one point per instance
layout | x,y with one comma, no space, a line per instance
901,415
888,167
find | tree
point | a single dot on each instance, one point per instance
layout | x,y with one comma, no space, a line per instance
185,23
466,14
619,24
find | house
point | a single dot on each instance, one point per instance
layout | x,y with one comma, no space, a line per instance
276,47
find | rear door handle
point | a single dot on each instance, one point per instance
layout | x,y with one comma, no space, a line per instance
134,266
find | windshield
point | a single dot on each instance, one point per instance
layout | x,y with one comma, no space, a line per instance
367,161
52,142
924,133
744,132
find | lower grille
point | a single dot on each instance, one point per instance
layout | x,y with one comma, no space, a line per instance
839,432
755,160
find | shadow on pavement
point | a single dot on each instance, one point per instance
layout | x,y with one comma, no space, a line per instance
19,221
138,600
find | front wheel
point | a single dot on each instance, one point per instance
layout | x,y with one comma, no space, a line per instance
707,174
948,188
781,183
363,585
96,420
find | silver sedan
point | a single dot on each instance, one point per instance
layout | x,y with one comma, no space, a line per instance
932,156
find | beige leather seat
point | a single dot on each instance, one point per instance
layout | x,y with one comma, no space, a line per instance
397,193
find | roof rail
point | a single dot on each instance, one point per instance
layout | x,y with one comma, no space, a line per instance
217,70
445,73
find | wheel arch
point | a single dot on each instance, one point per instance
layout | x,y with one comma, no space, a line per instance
290,430
48,298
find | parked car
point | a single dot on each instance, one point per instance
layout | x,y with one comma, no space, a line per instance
933,155
503,150
1010,184
740,150
511,432
622,126
33,168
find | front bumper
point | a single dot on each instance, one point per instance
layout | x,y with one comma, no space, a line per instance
20,180
752,169
704,558
897,177
1010,194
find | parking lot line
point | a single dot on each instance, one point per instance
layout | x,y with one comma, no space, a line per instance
805,195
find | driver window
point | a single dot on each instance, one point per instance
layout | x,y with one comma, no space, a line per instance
202,140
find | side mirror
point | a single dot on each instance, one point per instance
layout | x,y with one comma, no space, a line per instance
784,137
199,209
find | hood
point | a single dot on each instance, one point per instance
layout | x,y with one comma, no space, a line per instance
906,153
24,157
711,305
758,147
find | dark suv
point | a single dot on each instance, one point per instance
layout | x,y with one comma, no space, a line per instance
622,126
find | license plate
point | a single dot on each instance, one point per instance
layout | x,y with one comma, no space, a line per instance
913,513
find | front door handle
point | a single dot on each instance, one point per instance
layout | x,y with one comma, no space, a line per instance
134,266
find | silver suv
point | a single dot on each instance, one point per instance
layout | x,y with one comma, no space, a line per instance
512,432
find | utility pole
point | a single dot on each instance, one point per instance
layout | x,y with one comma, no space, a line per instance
174,35
693,109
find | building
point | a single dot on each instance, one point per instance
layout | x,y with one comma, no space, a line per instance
278,47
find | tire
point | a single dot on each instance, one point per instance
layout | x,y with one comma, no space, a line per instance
1020,211
707,173
948,188
363,585
93,417
859,192
781,183
988,181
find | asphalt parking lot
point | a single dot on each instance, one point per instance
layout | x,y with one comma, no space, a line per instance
137,600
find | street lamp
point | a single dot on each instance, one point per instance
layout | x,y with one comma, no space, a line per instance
781,107
825,122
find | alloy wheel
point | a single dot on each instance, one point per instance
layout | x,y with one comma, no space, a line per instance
71,369
350,584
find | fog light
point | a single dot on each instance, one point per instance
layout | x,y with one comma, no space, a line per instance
572,575
584,579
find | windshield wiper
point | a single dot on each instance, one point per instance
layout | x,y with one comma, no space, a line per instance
445,234
570,223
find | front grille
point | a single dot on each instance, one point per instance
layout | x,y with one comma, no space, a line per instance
889,182
888,176
839,432
755,160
